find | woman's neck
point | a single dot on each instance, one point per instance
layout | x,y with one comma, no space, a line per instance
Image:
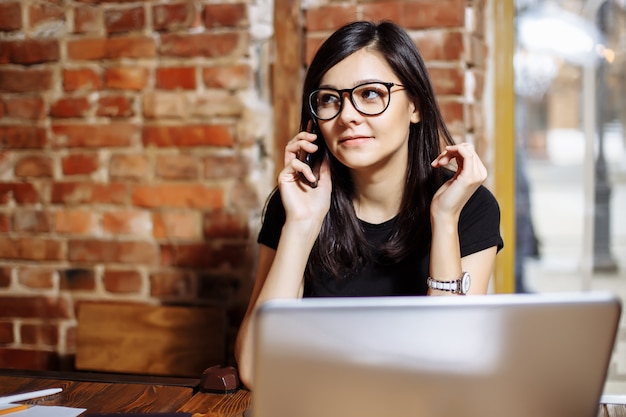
378,195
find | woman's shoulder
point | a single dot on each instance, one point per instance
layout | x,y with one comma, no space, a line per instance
483,198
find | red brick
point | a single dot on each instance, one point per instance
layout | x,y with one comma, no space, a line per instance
311,45
76,222
127,222
330,17
70,338
232,254
233,77
80,164
33,221
82,79
127,78
224,167
448,81
70,107
176,77
39,334
115,106
478,52
6,163
22,193
128,167
45,12
5,276
178,195
34,166
32,248
131,47
225,15
88,193
209,45
177,167
122,282
189,135
25,80
94,135
440,45
87,49
176,225
125,19
217,103
10,16
179,284
39,278
6,331
22,137
189,255
87,19
37,360
389,10
36,307
119,47
453,114
77,279
174,16
5,227
126,252
225,225
432,14
165,105
29,51
244,197
25,107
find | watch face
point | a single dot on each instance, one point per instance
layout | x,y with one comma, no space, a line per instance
466,282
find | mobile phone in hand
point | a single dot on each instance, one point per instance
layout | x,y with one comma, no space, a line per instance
313,159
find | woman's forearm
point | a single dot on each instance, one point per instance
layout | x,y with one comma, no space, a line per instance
280,275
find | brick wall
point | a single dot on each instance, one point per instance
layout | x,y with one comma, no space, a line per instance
135,148
127,152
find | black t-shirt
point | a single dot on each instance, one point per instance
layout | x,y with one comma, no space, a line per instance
479,228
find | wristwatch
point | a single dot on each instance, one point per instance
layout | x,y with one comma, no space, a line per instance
458,286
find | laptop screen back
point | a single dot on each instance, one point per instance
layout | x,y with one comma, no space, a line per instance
498,355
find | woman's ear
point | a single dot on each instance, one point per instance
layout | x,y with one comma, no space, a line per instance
415,114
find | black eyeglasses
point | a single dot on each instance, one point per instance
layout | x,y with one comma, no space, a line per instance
370,99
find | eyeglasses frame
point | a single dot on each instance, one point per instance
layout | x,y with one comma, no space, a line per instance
350,91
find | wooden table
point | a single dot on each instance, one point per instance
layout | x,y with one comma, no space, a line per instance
157,396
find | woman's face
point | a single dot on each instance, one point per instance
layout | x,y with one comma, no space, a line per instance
364,142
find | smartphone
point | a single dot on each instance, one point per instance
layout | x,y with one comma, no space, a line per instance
313,159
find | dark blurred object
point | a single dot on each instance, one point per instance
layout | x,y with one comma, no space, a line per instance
219,380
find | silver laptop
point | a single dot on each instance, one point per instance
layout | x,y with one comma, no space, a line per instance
539,355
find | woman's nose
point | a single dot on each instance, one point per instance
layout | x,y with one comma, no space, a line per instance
348,112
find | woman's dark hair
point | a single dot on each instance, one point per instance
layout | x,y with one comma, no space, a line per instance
341,247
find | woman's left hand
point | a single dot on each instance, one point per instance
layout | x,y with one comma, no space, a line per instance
451,197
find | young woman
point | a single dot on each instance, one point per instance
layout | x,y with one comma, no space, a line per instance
385,216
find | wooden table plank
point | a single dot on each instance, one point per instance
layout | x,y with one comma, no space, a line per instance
109,397
218,405
99,397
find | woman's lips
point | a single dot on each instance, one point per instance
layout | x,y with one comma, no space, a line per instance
354,139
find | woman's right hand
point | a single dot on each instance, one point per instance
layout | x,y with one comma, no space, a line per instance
301,201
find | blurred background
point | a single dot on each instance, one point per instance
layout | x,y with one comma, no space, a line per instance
570,90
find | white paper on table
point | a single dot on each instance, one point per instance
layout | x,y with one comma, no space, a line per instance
46,411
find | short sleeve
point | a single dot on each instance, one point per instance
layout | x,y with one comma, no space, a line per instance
479,223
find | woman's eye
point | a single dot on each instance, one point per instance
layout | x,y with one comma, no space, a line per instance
327,99
370,94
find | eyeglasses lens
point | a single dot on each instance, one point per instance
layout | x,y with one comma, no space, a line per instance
370,99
